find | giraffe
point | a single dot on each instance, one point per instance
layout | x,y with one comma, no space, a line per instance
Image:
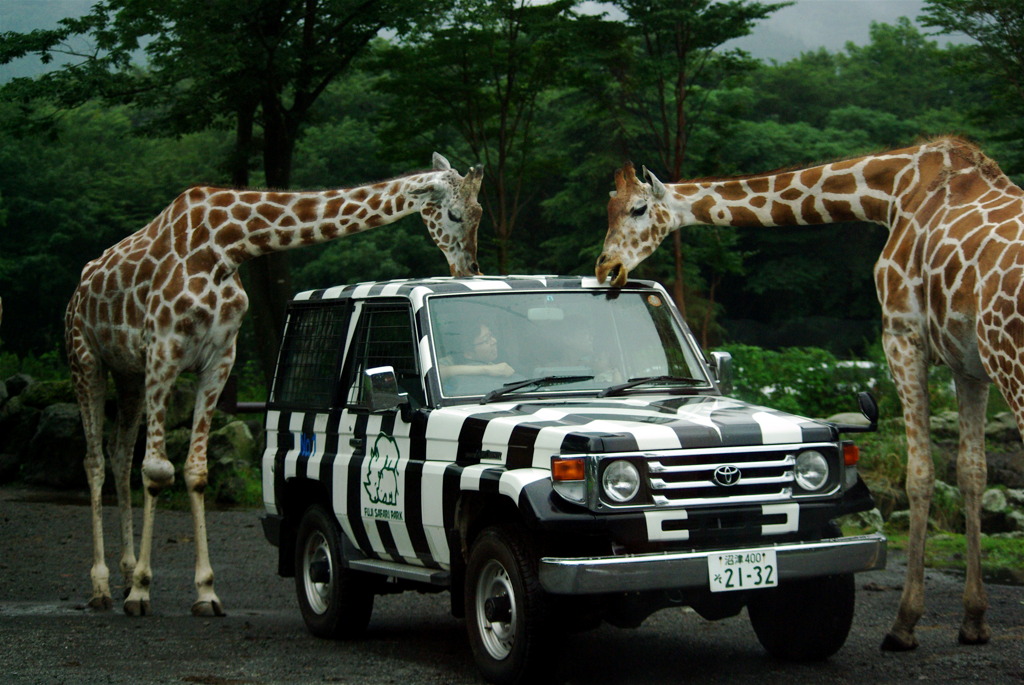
168,299
949,281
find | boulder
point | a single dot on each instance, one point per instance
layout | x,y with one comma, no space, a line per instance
945,424
1002,428
17,426
56,453
42,394
17,383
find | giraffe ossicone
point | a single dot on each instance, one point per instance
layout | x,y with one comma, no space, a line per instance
168,299
950,281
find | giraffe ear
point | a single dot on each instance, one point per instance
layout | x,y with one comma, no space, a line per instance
440,163
613,193
657,187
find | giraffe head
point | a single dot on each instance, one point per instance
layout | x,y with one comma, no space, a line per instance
638,220
452,214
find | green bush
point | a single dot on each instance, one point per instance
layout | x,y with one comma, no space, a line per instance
803,380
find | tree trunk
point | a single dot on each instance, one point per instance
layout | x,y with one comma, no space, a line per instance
677,286
268,278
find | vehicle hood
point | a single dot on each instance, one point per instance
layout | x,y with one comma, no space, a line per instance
529,432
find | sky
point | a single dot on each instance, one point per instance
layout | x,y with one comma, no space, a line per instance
805,26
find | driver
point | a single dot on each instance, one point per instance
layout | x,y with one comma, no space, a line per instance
476,354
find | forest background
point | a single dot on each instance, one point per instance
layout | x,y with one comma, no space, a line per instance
156,95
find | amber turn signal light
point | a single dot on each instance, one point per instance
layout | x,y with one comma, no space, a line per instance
567,469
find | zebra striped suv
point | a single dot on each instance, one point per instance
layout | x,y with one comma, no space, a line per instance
554,453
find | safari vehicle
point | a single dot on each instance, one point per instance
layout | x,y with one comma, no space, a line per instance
604,478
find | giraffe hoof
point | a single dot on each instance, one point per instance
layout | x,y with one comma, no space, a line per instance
891,643
208,609
135,607
103,603
977,636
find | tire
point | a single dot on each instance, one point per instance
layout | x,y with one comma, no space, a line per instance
335,602
804,620
506,609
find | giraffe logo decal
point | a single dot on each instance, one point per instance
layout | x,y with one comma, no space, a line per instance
381,477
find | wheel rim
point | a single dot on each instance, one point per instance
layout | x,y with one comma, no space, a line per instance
317,554
498,636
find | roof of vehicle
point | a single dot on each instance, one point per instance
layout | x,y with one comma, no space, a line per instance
416,288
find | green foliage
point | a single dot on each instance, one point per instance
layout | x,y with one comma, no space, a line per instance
806,381
552,100
949,550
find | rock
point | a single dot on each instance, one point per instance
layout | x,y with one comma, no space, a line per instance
849,419
993,500
945,424
866,521
57,450
42,394
1015,498
232,443
1015,521
10,466
17,426
17,383
1002,428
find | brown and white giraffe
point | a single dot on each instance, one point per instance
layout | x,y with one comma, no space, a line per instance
168,299
949,281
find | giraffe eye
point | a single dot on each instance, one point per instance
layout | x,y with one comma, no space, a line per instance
454,217
639,211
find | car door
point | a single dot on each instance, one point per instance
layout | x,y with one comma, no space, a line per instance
381,484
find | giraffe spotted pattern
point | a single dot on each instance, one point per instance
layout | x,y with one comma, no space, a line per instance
168,299
949,281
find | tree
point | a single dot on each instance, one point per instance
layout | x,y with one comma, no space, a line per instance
998,28
257,66
479,76
661,87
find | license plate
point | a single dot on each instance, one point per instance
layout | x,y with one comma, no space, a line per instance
743,570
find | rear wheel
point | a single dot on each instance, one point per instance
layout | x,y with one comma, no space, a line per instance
335,602
804,620
506,609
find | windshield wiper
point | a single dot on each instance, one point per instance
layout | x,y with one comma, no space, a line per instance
543,380
634,382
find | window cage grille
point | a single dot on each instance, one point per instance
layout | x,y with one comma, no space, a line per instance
312,351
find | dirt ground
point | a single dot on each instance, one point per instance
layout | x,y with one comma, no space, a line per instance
48,636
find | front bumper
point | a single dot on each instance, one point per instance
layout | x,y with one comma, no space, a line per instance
682,570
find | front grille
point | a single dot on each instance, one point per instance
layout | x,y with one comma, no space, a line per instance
762,474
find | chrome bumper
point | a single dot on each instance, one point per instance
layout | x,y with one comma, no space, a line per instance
677,570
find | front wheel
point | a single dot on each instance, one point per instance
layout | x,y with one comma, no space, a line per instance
336,602
505,609
804,620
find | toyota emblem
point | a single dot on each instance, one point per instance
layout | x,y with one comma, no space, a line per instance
727,475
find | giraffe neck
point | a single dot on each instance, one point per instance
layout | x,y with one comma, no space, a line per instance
247,224
861,189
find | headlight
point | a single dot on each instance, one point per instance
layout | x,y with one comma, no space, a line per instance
811,470
620,481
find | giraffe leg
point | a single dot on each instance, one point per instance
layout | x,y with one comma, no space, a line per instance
129,416
157,472
211,383
907,363
87,376
972,397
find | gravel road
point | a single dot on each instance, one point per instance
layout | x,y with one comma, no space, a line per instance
47,636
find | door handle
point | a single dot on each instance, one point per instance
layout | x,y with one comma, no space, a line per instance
358,443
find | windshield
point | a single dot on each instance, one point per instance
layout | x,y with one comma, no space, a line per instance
563,340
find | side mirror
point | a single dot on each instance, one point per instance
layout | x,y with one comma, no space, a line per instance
381,391
869,408
721,366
